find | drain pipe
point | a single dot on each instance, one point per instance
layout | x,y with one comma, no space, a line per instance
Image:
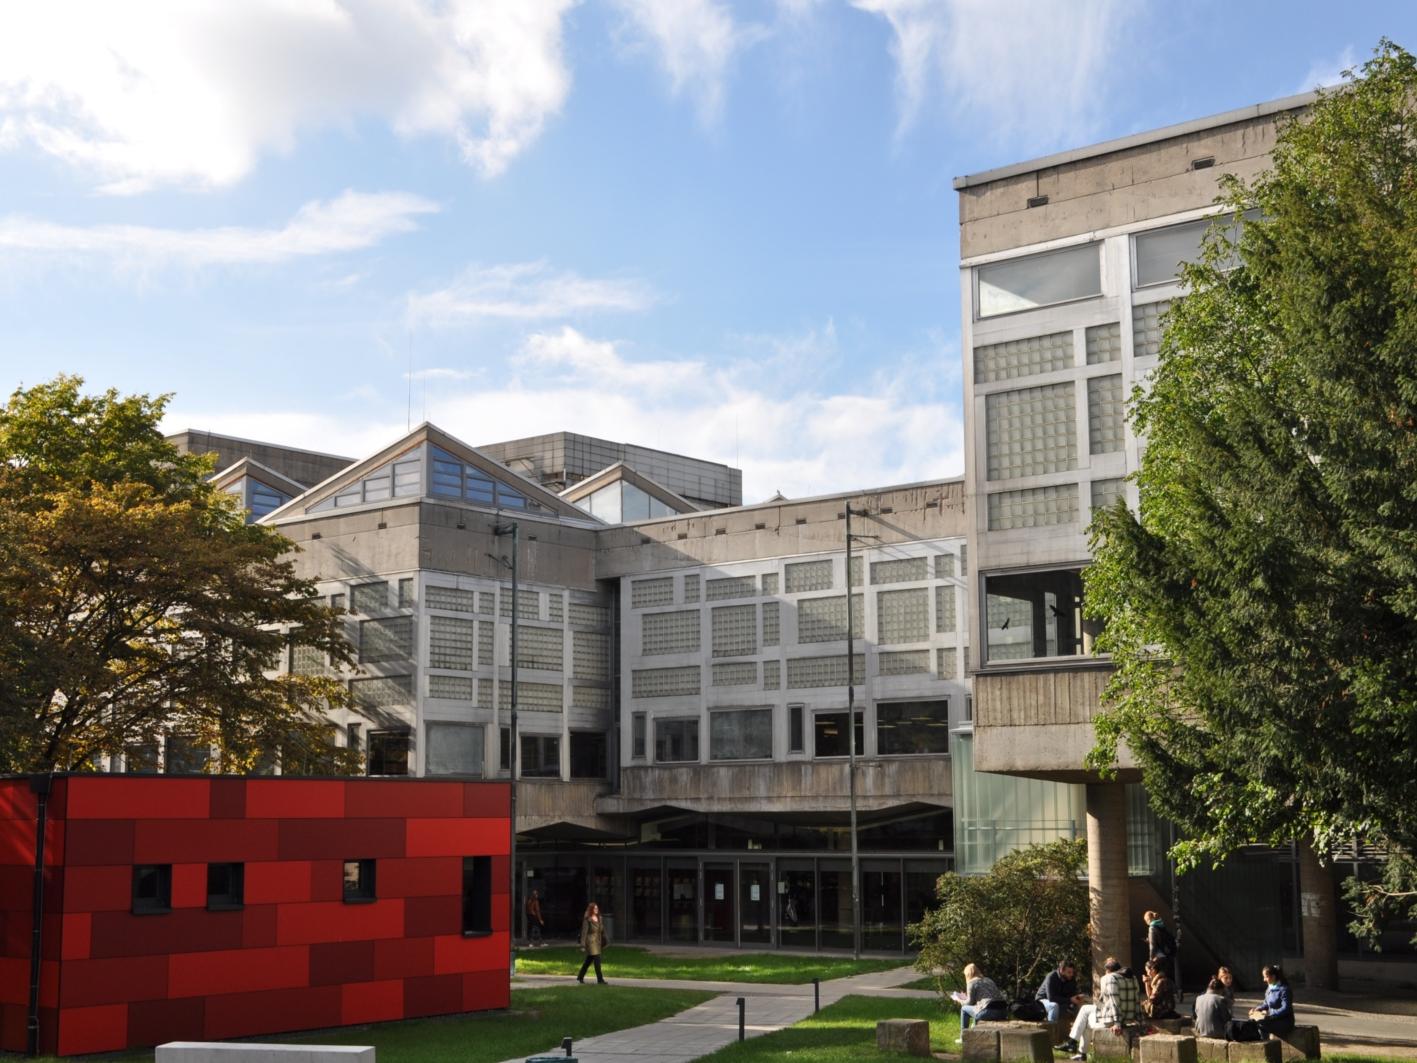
40,785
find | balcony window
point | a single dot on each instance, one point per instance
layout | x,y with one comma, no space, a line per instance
1036,614
1038,280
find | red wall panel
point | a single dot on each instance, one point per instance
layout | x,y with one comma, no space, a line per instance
198,974
137,797
274,883
294,799
303,924
407,800
460,837
93,1029
273,1011
371,1002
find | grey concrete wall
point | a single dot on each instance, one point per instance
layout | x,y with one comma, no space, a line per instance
543,803
306,467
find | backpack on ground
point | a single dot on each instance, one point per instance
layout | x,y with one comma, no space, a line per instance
1028,1011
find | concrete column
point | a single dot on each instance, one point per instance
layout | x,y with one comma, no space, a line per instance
1108,902
1318,919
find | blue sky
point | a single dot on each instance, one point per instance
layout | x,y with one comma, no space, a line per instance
725,229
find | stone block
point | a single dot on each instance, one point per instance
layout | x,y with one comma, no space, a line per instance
1102,1043
1302,1042
1171,1025
1212,1050
1024,1042
1167,1048
222,1052
911,1036
981,1043
1254,1052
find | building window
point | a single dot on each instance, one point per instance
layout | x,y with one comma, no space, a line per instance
454,749
406,600
740,734
351,732
829,738
1038,280
795,729
504,750
906,727
588,760
1036,614
140,758
541,756
152,889
226,886
369,598
388,752
476,895
359,881
637,736
677,740
186,755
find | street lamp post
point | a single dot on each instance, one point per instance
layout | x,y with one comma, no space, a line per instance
511,528
851,748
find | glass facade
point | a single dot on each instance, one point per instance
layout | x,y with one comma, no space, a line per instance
1036,614
622,501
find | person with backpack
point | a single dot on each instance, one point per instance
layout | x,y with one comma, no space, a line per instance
981,1000
1160,943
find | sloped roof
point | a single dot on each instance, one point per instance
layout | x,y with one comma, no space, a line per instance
256,471
620,471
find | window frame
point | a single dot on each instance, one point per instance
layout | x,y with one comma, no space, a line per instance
846,752
715,713
685,721
160,903
234,897
477,897
974,276
364,890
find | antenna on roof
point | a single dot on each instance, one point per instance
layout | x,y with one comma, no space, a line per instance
408,339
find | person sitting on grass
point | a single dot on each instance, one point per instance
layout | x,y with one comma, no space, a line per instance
1116,1008
981,1000
1213,1011
1059,992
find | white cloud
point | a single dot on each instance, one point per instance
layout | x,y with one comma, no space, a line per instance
192,92
349,222
1009,66
523,291
1324,73
696,42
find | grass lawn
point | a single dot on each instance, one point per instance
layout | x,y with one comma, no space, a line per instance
929,982
629,962
845,1032
537,1021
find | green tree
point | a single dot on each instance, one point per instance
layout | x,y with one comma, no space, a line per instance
134,598
1017,921
1261,608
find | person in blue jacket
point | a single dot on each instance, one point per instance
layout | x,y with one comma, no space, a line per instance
1274,1016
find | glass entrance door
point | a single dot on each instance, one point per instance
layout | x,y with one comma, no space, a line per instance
646,898
718,903
881,906
755,903
683,883
797,904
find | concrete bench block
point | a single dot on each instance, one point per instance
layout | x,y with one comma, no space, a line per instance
911,1036
1167,1048
1102,1043
1024,1042
221,1052
1254,1052
1171,1025
1212,1050
980,1044
1302,1042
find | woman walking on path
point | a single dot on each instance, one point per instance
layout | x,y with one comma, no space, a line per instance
593,942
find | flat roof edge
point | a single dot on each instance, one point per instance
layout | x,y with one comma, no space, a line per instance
1133,140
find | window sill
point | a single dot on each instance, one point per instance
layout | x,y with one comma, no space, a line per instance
360,900
152,911
477,933
226,906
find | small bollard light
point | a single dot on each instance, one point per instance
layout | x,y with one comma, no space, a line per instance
742,1004
566,1045
816,994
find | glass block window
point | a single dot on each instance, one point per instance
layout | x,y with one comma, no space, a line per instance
735,630
664,682
406,600
691,589
1038,280
590,655
732,587
590,698
1147,328
806,672
485,635
1037,507
769,582
772,675
903,662
945,608
455,749
487,602
1020,358
452,687
1031,431
855,571
541,647
584,614
946,666
964,559
736,674
1104,343
900,570
382,692
647,593
556,607
1106,492
772,625
542,697
1104,414
369,598
676,632
307,660
676,741
528,604
903,616
740,734
450,599
944,566
390,639
824,619
452,643
803,576
484,694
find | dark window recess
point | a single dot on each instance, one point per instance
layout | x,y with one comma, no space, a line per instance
351,733
588,755
676,740
388,752
140,758
541,756
829,737
504,751
477,895
358,881
185,755
637,736
226,885
795,736
152,889
913,727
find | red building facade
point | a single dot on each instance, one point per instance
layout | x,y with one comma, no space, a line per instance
206,908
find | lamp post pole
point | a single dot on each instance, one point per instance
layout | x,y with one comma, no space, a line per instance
851,748
511,528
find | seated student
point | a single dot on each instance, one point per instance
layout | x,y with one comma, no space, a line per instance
1213,1011
1160,1000
1059,992
1226,977
1274,1016
981,1000
1116,1008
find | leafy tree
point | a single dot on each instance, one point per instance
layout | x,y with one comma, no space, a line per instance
1261,609
1017,921
134,598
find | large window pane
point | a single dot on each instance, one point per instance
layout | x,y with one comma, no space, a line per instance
588,755
1036,614
829,737
676,740
796,904
1160,253
740,734
904,727
455,749
541,756
388,752
1039,280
